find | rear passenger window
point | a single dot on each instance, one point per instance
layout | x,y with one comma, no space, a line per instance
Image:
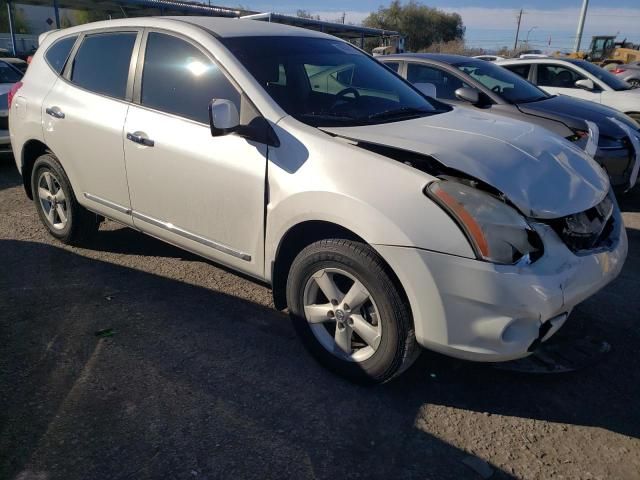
178,78
58,53
102,63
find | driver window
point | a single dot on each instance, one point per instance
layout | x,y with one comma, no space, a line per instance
445,83
557,76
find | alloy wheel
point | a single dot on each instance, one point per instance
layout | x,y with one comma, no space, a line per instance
53,200
342,314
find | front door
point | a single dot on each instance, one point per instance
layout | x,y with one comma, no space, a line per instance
561,80
203,193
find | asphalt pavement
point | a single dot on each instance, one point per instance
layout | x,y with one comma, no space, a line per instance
193,375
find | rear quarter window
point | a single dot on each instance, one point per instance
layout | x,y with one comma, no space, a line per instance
58,53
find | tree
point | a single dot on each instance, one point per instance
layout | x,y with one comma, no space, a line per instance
307,14
421,25
20,22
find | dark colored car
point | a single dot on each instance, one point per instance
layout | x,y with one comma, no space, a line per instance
465,81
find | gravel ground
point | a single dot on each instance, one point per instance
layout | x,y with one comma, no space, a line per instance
202,379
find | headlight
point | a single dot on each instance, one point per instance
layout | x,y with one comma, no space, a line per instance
497,232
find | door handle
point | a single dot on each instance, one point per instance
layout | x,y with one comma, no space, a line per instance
141,139
55,112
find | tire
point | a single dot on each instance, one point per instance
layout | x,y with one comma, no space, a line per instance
634,82
382,348
61,213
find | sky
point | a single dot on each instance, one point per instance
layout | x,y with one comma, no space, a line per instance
550,24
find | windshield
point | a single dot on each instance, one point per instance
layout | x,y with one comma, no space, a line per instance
324,82
604,76
508,85
8,74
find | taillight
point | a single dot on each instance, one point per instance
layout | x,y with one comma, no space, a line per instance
618,70
29,59
12,93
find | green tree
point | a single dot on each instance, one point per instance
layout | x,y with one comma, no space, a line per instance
422,25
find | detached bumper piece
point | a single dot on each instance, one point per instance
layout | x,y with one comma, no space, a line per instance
560,356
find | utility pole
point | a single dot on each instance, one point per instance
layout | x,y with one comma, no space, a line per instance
515,45
12,28
583,17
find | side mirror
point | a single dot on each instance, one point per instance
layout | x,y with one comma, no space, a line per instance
468,95
428,89
585,84
223,117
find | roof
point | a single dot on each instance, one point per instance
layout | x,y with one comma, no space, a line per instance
437,57
332,28
217,26
235,27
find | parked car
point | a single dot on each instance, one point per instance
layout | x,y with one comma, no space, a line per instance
16,63
465,81
630,73
578,78
9,76
383,220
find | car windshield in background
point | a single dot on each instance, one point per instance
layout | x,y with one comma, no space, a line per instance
601,74
325,82
8,74
511,87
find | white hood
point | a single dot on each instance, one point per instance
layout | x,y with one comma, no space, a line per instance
544,175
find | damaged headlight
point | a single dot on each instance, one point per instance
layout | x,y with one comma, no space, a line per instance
497,232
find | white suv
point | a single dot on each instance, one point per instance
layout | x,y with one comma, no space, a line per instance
384,220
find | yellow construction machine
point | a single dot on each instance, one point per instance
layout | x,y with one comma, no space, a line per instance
604,50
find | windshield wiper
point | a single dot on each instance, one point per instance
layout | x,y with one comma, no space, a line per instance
327,116
399,112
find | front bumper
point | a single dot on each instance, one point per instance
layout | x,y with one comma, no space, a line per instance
479,311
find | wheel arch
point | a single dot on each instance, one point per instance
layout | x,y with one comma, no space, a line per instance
31,151
298,237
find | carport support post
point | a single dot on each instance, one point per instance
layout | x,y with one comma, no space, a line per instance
56,11
12,29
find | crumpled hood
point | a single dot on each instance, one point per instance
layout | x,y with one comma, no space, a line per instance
542,174
562,107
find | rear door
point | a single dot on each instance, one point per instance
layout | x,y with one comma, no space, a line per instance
203,193
84,115
559,79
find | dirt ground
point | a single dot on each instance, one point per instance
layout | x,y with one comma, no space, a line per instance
202,379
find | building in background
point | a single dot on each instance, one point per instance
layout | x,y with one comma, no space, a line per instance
22,21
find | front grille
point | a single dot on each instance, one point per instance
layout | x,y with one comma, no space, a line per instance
4,123
589,230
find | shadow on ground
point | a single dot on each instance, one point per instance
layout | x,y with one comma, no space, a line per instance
195,383
191,381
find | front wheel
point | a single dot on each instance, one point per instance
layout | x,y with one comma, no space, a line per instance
349,312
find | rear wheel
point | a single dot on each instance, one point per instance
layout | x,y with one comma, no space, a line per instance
56,203
349,312
634,82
